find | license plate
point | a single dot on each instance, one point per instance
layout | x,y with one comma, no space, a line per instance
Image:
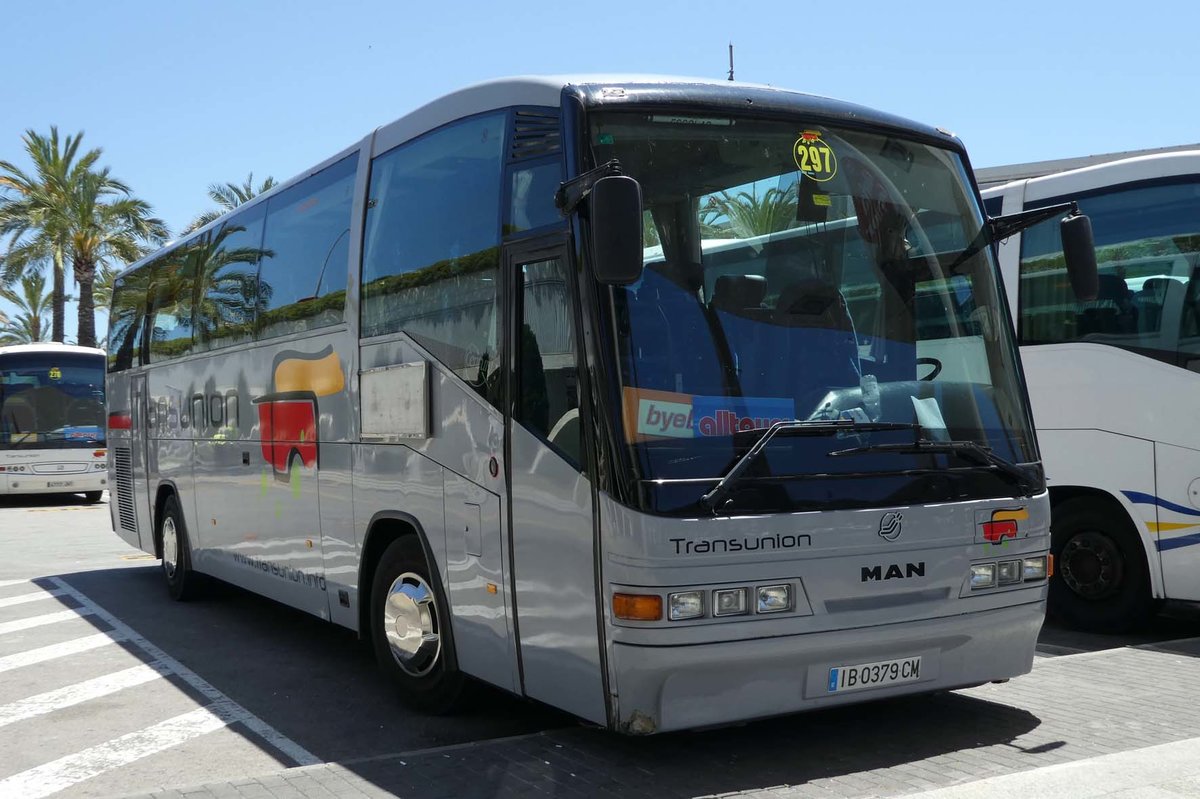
59,483
874,675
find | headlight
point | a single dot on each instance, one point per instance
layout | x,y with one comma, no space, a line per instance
1010,572
729,602
983,575
1035,568
685,605
774,598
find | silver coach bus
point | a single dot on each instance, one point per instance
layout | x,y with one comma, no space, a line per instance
613,393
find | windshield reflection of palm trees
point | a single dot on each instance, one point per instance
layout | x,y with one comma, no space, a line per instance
748,214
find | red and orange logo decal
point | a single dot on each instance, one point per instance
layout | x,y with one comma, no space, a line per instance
1003,525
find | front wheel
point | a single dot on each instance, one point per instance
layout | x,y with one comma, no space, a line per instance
410,630
1101,581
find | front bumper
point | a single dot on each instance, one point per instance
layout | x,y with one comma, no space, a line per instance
54,484
662,688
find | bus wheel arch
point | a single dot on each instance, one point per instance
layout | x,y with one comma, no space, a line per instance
1102,580
398,570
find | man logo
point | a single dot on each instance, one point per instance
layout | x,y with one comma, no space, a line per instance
889,526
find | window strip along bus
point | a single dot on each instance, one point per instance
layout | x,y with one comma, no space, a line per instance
1114,380
668,403
52,427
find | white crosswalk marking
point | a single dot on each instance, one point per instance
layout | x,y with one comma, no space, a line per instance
79,692
22,716
39,621
7,583
233,711
57,775
45,653
21,599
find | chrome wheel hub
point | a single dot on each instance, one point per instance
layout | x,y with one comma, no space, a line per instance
170,547
410,624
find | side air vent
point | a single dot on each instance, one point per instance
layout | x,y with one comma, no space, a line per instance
535,133
123,464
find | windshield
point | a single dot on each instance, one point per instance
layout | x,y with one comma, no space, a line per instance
51,401
796,271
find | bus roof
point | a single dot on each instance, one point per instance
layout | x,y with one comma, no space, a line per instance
547,90
992,176
49,348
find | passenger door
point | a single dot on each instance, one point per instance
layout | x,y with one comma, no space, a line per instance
551,522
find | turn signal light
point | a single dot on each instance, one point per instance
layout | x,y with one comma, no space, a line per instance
1049,566
637,607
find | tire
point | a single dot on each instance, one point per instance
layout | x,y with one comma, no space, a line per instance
92,497
407,601
183,584
1101,582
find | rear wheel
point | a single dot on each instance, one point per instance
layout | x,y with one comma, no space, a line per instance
182,583
92,497
410,630
1101,581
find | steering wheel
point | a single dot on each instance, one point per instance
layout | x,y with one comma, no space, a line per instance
935,363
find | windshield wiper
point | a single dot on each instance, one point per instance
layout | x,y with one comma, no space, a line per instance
968,450
809,427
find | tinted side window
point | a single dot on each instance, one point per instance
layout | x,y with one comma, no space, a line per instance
547,400
305,251
992,205
1148,254
125,318
228,281
532,193
431,253
171,291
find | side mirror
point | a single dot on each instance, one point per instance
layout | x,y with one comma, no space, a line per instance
615,211
1079,251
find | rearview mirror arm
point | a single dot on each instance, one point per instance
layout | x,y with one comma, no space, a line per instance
572,192
1001,227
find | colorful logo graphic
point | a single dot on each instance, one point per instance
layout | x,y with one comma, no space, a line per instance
1003,525
287,416
664,414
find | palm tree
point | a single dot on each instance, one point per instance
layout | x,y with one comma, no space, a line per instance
747,214
32,303
104,224
228,196
102,286
30,209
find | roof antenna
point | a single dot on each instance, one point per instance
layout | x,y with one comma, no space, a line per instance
731,60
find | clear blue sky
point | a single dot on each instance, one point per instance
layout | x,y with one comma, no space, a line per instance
183,94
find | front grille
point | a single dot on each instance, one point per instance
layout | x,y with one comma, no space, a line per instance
123,465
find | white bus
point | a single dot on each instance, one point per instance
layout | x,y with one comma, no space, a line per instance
517,388
52,420
1115,381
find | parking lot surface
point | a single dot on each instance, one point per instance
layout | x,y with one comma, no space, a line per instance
109,689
